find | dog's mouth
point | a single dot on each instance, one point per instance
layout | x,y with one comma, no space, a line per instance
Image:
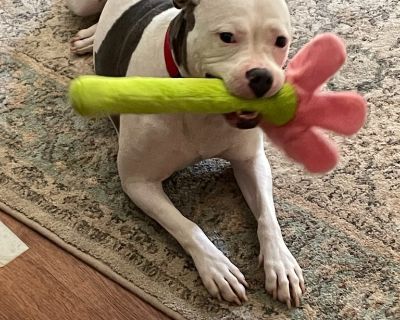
210,76
241,119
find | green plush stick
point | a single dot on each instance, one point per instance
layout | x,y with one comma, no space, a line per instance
99,96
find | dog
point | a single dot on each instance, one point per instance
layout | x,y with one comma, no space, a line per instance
244,43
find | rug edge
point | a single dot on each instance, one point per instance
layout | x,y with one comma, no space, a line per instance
90,261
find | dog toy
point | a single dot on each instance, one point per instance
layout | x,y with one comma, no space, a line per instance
293,119
96,95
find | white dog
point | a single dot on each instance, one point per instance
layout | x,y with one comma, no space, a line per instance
245,43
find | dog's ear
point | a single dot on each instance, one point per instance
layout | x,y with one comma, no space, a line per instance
181,4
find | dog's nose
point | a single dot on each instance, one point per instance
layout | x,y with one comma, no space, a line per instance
260,81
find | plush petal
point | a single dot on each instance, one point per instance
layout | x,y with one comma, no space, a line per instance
314,150
281,135
316,62
342,112
306,145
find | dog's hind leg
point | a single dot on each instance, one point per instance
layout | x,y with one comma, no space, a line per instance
82,42
86,8
221,278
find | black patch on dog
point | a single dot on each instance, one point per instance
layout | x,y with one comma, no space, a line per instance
182,24
113,57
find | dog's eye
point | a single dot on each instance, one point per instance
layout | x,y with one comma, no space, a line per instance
281,42
227,37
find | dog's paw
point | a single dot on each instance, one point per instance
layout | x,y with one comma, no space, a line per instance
222,278
283,276
83,41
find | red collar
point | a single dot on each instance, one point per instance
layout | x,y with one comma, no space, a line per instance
172,68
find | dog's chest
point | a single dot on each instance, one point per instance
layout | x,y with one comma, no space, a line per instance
207,135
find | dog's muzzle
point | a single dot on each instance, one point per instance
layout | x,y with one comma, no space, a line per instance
243,119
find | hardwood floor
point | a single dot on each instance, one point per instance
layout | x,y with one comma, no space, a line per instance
47,283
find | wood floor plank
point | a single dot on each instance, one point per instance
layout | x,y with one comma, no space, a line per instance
47,283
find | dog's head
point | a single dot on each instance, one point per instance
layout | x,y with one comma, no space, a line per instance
245,43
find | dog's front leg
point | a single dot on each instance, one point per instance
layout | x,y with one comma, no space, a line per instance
283,276
221,278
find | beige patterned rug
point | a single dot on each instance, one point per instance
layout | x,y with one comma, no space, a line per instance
58,175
